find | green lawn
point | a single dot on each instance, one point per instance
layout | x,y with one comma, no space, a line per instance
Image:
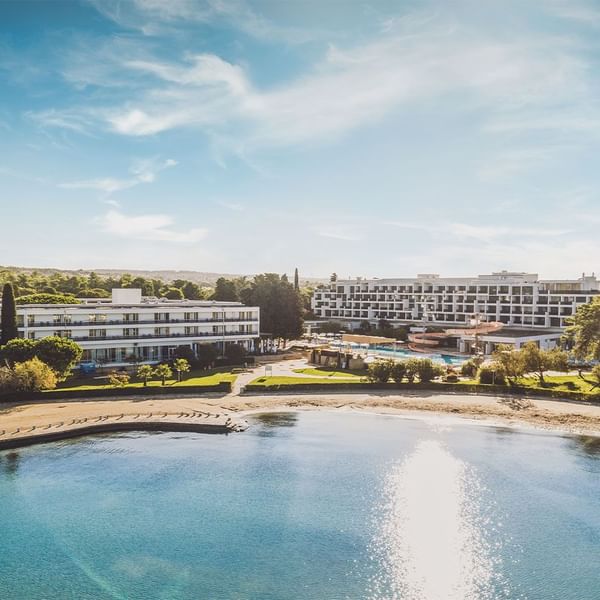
561,383
327,372
193,378
285,380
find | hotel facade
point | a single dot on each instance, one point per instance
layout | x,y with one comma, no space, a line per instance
529,308
129,328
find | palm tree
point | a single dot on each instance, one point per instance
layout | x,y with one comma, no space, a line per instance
144,373
181,365
163,372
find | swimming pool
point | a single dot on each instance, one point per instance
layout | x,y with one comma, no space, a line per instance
446,359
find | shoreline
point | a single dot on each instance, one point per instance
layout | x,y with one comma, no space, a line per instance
27,424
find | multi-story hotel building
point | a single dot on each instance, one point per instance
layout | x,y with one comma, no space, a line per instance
520,301
130,328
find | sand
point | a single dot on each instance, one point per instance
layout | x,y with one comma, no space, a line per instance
35,419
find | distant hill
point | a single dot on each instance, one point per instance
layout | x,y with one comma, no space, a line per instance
199,277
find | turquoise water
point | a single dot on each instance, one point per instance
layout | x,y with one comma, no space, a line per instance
308,505
446,359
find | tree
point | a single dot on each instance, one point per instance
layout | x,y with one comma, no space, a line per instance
510,361
145,373
235,353
117,379
34,375
412,369
538,361
48,299
206,355
427,370
280,305
18,350
225,291
163,372
296,280
398,371
584,331
60,354
8,319
185,351
93,293
192,291
181,365
380,371
172,293
492,374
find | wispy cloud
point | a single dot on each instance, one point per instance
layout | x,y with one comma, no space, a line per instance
482,233
234,206
152,227
412,62
143,171
346,233
155,17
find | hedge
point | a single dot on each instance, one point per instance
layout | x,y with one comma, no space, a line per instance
467,388
223,386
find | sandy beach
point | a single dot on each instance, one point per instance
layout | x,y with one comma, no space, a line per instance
563,416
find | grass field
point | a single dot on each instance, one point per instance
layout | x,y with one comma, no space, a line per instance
326,372
286,380
193,378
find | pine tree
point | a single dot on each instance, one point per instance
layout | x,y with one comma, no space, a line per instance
8,320
296,280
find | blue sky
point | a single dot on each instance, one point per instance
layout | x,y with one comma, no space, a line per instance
366,138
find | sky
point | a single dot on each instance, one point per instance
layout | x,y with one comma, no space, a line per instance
364,138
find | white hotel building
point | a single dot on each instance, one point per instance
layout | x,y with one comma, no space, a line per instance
529,308
114,331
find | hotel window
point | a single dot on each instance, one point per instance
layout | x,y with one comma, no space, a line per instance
131,332
30,320
217,316
161,317
98,333
97,318
191,331
190,316
131,317
61,319
162,331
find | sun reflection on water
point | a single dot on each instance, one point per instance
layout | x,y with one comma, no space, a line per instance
434,541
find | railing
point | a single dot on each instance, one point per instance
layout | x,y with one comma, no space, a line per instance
134,338
95,324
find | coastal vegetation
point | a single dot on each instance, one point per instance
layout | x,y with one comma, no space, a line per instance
8,319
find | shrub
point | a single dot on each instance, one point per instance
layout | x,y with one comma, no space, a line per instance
492,375
412,369
451,378
398,371
470,367
118,379
33,376
428,370
380,371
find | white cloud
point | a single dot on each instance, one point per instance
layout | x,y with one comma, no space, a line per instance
154,17
414,61
143,171
234,206
339,232
153,227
